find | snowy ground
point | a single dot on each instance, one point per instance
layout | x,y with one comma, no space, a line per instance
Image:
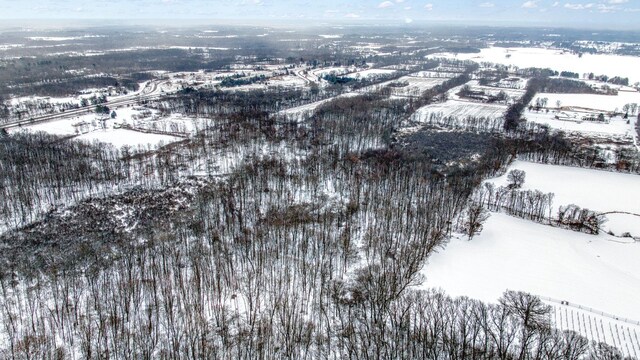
595,102
512,94
600,272
338,70
597,327
90,127
370,73
463,109
456,113
615,126
412,86
122,137
299,112
601,191
558,60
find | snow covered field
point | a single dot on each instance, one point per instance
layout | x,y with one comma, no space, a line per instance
558,60
616,126
597,190
600,272
89,128
416,85
463,109
596,102
512,94
410,85
299,112
370,73
597,327
122,137
598,275
458,113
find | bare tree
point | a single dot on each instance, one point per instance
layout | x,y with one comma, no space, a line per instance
516,178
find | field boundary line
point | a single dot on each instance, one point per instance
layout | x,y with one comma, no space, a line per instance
591,310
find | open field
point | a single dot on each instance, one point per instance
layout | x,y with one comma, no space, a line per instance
571,122
595,189
461,114
558,60
600,272
595,326
407,86
124,137
593,102
364,74
462,109
299,112
601,191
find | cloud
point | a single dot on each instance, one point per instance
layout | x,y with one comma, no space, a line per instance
487,5
429,7
251,2
530,4
385,4
399,1
617,1
578,6
606,8
556,4
407,7
352,16
408,20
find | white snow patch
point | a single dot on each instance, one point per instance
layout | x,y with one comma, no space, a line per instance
601,272
122,137
558,60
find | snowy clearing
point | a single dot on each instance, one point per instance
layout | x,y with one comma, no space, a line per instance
122,137
299,112
601,272
558,60
365,74
595,189
601,191
461,114
462,109
570,121
595,102
597,327
406,86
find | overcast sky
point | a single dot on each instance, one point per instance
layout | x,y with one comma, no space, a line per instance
577,13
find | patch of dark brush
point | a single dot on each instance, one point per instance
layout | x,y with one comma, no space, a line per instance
443,146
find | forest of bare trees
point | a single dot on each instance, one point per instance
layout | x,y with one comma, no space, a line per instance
262,237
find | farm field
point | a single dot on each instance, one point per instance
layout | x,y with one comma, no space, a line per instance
616,125
458,113
412,86
463,109
370,73
593,102
91,127
299,112
600,272
598,326
123,137
558,60
601,191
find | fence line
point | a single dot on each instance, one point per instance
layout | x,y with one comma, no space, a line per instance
591,310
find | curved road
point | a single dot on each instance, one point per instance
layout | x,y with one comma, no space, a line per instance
148,92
